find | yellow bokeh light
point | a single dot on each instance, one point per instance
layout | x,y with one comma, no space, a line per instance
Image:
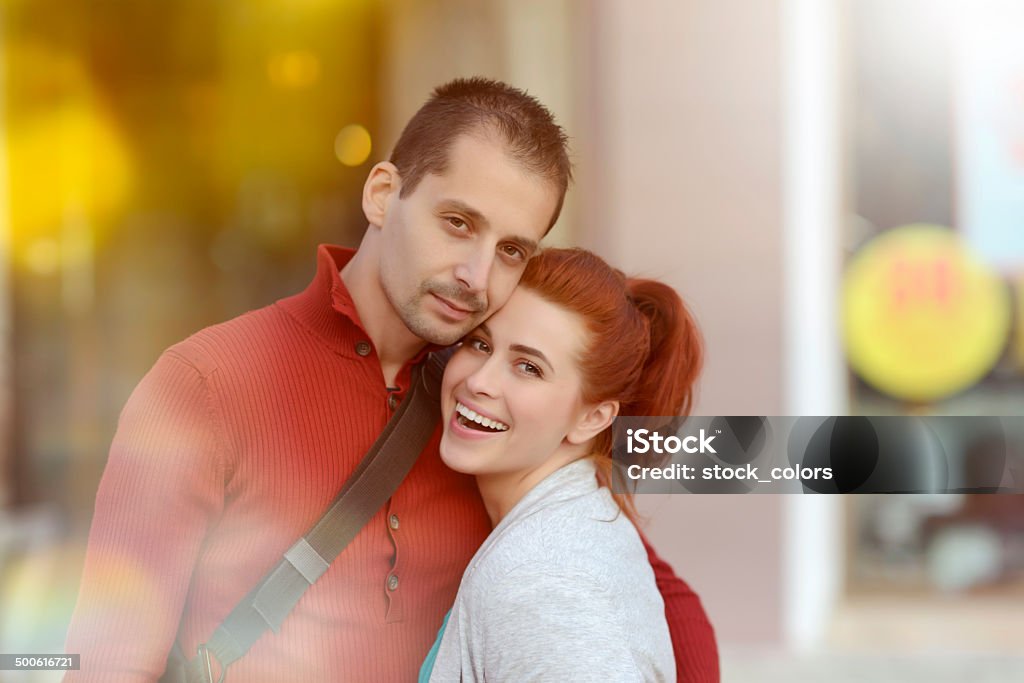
64,161
42,256
353,145
294,70
37,591
922,317
1019,344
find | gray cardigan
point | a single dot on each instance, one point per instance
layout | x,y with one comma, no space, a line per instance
561,590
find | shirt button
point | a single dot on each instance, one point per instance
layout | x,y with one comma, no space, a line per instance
363,348
393,401
392,583
393,521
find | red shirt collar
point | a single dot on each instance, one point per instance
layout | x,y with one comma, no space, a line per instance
326,306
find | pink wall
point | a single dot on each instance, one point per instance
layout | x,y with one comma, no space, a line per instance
681,181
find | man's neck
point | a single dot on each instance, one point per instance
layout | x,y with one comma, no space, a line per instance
394,343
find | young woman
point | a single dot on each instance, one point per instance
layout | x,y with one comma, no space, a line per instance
562,587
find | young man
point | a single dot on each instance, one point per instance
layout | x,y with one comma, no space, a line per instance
240,437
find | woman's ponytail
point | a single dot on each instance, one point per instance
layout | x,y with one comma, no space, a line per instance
643,348
666,382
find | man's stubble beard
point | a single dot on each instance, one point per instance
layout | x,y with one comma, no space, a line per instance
427,327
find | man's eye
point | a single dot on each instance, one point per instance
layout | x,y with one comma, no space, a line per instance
457,223
528,368
513,251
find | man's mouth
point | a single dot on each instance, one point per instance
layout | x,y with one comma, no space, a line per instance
473,420
452,310
457,300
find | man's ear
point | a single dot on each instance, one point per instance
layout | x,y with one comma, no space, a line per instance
381,184
593,421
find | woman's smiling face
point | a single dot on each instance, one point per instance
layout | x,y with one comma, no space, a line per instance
511,397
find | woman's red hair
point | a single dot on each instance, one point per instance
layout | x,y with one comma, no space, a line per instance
643,347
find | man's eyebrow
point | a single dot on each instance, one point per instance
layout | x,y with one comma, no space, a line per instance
530,246
465,209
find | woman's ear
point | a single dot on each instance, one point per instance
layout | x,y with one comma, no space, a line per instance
381,184
593,421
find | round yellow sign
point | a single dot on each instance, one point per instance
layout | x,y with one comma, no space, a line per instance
922,318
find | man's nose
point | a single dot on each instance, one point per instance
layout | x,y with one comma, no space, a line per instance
474,271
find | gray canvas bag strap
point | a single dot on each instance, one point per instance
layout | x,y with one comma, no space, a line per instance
374,480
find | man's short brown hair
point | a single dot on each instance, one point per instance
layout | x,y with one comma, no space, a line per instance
468,105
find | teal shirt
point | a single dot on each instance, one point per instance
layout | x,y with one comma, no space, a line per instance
428,663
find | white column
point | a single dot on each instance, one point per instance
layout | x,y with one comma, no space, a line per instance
814,371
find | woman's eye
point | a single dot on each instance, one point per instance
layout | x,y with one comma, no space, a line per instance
528,368
456,222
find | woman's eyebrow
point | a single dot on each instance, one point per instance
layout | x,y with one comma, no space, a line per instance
529,350
519,348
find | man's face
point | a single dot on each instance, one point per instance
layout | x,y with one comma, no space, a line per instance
454,249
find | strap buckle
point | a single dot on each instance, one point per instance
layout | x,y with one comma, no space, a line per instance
206,659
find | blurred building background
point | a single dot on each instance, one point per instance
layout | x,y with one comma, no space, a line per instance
836,187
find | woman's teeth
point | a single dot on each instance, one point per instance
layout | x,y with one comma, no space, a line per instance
469,418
